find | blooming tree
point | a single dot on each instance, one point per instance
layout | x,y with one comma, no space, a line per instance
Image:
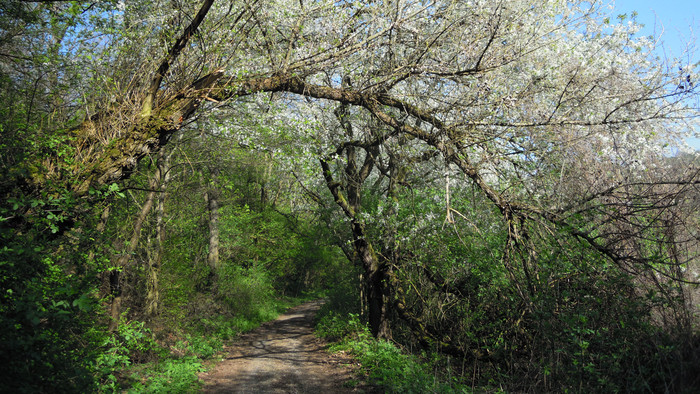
559,117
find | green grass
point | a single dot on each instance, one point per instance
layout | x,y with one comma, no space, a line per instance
385,365
134,362
169,376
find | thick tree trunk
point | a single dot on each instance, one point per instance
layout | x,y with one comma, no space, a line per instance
376,290
378,303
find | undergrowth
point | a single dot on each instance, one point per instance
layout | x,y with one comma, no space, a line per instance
134,361
585,337
137,359
385,365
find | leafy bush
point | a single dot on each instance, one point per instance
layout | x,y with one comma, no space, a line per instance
386,365
335,326
132,343
344,297
246,291
133,360
203,347
45,320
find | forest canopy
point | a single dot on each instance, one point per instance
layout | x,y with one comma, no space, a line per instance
507,179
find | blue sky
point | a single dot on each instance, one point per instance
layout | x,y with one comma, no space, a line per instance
678,19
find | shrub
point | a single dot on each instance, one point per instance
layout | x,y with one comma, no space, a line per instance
385,364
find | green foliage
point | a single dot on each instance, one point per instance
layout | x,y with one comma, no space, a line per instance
170,376
291,252
178,371
598,334
135,363
246,292
132,343
46,315
200,346
336,326
386,365
574,322
344,296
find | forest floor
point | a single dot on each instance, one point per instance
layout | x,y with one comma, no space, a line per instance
284,356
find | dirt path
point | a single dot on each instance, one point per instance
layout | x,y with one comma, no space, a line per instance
283,356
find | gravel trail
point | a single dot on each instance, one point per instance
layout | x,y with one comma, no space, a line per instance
283,356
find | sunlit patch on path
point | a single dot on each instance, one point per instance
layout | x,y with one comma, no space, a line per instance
282,356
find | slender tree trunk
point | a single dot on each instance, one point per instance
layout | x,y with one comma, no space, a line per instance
363,295
267,173
101,225
213,256
211,197
115,275
154,263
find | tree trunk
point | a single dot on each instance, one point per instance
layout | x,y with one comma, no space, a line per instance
376,285
154,263
115,275
101,225
213,256
211,198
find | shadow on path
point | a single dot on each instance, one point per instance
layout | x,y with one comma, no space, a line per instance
283,356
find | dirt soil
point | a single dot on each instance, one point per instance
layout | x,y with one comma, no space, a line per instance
284,356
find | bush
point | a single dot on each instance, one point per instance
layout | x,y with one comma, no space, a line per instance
247,292
385,364
45,320
336,327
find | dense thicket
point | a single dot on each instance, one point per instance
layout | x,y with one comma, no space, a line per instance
499,183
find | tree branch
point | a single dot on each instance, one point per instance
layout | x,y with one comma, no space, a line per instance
173,53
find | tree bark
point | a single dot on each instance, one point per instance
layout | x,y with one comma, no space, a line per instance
115,275
154,263
211,197
376,287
